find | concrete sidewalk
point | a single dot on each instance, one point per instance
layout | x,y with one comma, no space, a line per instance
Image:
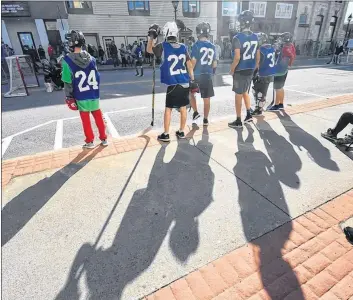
123,226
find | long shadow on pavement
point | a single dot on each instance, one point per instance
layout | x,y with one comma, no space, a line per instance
269,252
302,139
176,194
20,210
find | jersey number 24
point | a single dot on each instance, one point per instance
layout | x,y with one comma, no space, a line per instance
86,83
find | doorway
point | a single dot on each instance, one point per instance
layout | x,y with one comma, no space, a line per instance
26,41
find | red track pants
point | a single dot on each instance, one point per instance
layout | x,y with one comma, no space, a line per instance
87,128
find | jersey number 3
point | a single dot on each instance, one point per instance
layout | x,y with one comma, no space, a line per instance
272,57
207,56
175,60
85,83
249,46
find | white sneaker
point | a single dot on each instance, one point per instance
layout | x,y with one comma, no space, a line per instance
88,145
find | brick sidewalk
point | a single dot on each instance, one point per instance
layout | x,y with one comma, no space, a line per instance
55,159
307,258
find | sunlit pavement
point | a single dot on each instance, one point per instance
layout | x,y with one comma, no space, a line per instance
120,223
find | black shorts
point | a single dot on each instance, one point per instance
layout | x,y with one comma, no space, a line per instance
262,84
242,81
177,96
138,63
206,85
279,81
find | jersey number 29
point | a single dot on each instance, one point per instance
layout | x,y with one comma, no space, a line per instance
175,59
249,46
85,83
207,56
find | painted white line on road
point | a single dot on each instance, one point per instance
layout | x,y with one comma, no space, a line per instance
306,93
125,110
58,144
111,127
32,128
126,82
5,144
72,118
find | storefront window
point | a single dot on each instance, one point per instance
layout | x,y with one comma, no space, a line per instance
138,8
191,9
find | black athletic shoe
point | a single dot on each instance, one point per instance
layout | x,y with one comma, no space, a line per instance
205,122
348,231
248,119
257,112
141,75
195,115
137,74
180,134
329,134
164,137
273,108
236,124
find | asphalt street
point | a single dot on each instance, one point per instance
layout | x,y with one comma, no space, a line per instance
42,122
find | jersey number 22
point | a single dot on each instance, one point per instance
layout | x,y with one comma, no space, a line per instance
85,83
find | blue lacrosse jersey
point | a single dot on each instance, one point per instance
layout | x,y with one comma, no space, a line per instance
268,64
205,53
248,47
85,81
138,52
173,68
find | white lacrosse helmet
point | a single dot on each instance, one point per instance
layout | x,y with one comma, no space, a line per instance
170,29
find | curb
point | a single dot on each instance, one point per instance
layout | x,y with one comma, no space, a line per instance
55,159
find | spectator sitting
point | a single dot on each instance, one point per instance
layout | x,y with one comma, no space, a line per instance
331,134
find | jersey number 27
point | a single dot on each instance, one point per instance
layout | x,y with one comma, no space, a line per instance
249,46
85,83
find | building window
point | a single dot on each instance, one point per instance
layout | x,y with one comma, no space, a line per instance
229,9
79,7
138,8
191,9
303,19
284,11
258,8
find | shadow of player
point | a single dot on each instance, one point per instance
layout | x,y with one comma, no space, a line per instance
302,139
177,193
20,210
277,276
